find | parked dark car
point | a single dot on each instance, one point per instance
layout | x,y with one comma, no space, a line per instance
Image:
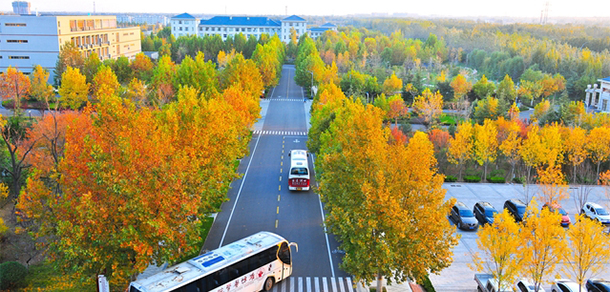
598,285
484,212
463,217
516,208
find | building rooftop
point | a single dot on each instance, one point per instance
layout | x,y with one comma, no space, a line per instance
328,24
607,79
293,18
183,16
240,21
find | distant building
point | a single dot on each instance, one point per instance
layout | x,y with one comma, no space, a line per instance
232,25
316,32
184,25
293,22
599,98
21,7
28,41
143,19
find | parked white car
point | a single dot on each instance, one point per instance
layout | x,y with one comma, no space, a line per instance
565,285
596,212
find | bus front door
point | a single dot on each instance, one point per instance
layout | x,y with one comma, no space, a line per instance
284,254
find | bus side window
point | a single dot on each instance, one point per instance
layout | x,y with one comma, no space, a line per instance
272,254
284,253
208,283
241,267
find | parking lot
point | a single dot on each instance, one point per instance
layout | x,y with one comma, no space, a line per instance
459,276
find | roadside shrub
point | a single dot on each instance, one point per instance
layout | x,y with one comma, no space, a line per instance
450,178
496,179
498,172
374,289
12,275
518,180
472,178
427,285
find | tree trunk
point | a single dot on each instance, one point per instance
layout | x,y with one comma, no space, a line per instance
485,171
379,282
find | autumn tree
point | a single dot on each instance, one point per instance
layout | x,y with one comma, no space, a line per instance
104,83
543,244
483,88
499,244
598,145
383,180
511,145
460,86
575,139
460,147
162,81
74,89
398,109
329,99
142,67
392,85
69,56
485,144
14,85
198,74
506,90
488,108
429,106
552,185
588,250
40,88
14,136
137,92
92,64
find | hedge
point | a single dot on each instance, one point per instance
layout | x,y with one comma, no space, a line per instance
12,275
450,178
496,179
472,178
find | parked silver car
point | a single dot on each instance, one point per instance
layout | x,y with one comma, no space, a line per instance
463,217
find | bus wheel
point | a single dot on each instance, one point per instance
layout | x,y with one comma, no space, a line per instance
268,284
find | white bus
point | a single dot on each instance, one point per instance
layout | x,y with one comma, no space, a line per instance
254,263
298,177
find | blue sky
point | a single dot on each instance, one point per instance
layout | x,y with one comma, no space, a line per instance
518,8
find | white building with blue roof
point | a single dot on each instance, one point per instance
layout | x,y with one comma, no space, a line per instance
226,26
316,32
184,25
599,98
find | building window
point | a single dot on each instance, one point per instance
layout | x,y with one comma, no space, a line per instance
17,41
14,24
18,57
179,21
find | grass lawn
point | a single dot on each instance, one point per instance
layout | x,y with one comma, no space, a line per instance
449,119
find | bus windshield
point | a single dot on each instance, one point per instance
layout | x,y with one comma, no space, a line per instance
299,171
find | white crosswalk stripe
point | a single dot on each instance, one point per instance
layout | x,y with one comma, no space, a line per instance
286,99
280,133
309,284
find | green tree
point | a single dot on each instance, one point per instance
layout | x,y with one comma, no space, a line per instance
506,90
483,88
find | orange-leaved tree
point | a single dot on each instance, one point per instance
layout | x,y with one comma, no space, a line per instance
14,85
460,86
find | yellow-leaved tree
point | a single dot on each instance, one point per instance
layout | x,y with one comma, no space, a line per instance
74,89
588,250
375,191
543,243
460,147
485,144
499,244
428,106
391,85
575,143
598,144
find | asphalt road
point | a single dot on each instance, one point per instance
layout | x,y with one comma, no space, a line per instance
261,201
